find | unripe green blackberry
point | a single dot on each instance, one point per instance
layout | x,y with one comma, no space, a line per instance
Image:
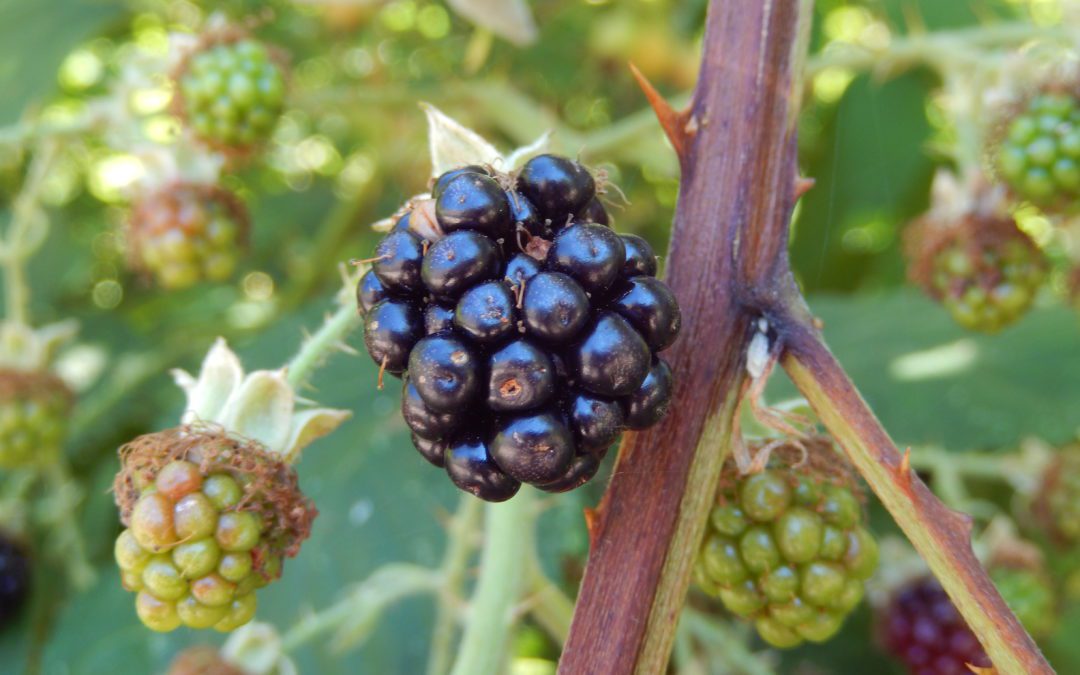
1038,156
1030,596
34,408
231,92
982,268
1057,504
184,233
786,549
209,519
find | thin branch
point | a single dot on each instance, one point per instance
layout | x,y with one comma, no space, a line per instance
940,535
328,339
508,529
24,236
941,50
460,535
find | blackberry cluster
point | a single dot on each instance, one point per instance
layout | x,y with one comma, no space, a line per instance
185,233
525,328
1039,156
1030,596
990,287
983,268
1058,501
33,418
192,554
232,93
788,551
14,579
923,630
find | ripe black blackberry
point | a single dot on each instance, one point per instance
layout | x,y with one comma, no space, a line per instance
14,578
526,329
923,630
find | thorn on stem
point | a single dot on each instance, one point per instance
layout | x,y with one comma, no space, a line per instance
803,185
678,125
592,521
904,472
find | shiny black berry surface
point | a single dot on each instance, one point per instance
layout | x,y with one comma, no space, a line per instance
640,259
391,328
526,330
14,579
471,468
476,202
369,292
559,187
458,261
397,262
533,448
590,254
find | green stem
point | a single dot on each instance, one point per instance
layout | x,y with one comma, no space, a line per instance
968,464
315,349
941,50
27,131
25,234
357,614
514,113
461,542
548,605
727,645
502,580
61,517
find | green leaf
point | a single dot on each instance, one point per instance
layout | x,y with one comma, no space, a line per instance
35,37
931,382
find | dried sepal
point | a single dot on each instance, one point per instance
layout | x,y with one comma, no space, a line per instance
260,406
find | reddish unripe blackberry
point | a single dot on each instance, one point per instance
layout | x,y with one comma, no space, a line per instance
34,408
527,328
786,549
14,578
209,519
923,630
1058,499
231,92
185,233
982,268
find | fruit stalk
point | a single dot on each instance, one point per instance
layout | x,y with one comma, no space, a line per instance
328,338
942,50
460,534
507,533
736,146
25,233
940,535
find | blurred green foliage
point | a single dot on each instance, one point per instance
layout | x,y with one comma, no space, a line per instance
351,148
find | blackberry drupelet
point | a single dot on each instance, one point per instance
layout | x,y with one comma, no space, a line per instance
526,329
